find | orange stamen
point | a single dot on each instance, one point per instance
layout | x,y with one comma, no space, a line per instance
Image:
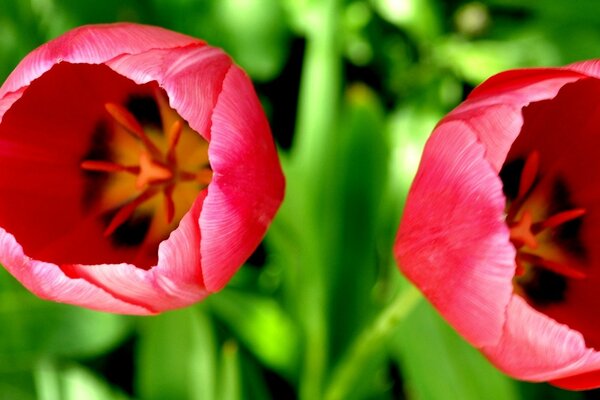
108,166
524,232
128,121
173,136
520,232
127,211
553,266
157,171
529,173
151,171
558,219
169,203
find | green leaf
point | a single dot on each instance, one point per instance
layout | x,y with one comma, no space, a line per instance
176,356
437,364
54,382
31,328
351,202
253,32
262,326
230,385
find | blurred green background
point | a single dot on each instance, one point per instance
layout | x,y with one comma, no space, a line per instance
352,89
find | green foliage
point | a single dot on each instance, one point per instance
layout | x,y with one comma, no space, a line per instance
438,364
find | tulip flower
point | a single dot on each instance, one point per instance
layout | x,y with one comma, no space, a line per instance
499,229
137,169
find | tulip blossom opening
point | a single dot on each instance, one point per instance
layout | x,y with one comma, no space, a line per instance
140,168
539,276
550,182
137,166
500,225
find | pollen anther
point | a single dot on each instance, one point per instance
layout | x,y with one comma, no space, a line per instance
157,170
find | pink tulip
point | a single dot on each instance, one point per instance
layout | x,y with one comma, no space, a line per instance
137,169
499,226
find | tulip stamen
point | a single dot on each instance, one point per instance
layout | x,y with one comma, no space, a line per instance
169,202
557,220
559,268
151,171
521,232
127,211
528,175
535,229
173,135
168,157
108,166
128,121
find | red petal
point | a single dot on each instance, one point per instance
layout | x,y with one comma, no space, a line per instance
174,283
493,110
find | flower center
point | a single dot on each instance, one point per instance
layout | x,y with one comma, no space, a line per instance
155,166
538,214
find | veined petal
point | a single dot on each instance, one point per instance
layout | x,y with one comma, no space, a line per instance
590,68
192,76
535,347
155,103
493,109
93,44
174,283
49,282
453,243
545,332
247,185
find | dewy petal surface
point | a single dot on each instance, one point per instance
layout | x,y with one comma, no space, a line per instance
546,344
203,86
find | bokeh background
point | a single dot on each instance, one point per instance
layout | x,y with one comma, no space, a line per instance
352,90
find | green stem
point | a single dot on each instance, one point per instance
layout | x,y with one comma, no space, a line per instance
368,344
313,146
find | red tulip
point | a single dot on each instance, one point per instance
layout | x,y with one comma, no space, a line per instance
499,230
137,169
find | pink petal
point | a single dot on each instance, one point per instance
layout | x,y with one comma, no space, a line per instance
453,242
49,282
493,109
202,68
92,44
174,283
536,347
590,68
247,185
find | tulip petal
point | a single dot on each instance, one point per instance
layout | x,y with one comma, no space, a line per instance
202,68
247,184
590,68
226,221
175,282
48,281
453,243
585,381
493,109
536,347
93,45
